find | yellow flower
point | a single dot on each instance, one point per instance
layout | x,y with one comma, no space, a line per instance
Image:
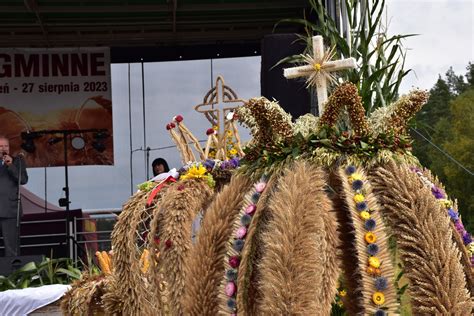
195,172
233,152
355,176
229,133
446,203
378,298
317,66
215,127
342,293
358,198
364,215
370,237
374,262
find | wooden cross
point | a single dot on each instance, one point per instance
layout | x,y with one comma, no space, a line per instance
318,70
217,103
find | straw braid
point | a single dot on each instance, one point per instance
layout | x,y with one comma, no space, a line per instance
127,279
424,237
356,188
179,206
295,256
245,302
205,266
193,139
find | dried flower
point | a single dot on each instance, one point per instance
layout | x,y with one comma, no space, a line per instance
238,244
372,249
381,283
370,224
378,298
357,185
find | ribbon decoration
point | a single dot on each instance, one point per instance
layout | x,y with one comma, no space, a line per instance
158,188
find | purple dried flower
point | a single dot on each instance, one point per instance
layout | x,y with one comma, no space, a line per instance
380,312
459,226
467,238
238,244
372,249
231,275
370,224
246,219
381,283
209,164
225,165
454,216
231,303
438,193
361,206
350,170
357,185
255,197
235,162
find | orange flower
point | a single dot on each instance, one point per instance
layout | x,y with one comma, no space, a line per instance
370,237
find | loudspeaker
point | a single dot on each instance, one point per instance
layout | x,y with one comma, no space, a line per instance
10,264
292,95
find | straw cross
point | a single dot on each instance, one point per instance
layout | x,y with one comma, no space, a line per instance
318,69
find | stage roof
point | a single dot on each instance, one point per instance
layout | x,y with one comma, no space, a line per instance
148,29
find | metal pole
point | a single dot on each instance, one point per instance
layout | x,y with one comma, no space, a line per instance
130,129
144,120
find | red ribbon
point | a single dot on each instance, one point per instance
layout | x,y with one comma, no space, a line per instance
158,188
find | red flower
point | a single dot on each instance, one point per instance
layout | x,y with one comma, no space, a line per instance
168,126
209,131
234,261
181,187
178,118
156,240
173,125
168,244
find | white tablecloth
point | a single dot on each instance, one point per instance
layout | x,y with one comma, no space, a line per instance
23,302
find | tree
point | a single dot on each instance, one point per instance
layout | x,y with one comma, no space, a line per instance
446,120
460,145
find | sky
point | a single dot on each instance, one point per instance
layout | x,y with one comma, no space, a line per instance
446,31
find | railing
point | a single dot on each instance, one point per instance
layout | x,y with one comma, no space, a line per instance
75,241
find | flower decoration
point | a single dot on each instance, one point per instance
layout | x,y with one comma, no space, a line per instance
196,171
378,298
447,204
246,213
370,238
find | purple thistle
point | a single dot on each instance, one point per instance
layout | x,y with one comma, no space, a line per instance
454,216
362,206
235,162
459,226
225,165
370,224
246,219
437,192
467,238
380,312
372,249
238,244
209,164
231,303
255,197
231,275
357,185
381,283
350,170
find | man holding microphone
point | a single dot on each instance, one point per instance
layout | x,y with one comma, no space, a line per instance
12,174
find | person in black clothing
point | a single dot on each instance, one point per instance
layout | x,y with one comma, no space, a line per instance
159,165
12,169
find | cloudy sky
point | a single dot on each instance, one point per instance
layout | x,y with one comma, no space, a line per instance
446,39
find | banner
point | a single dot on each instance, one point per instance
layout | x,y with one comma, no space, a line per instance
53,97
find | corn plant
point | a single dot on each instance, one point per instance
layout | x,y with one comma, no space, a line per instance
380,58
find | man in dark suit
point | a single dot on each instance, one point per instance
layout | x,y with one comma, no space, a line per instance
12,171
